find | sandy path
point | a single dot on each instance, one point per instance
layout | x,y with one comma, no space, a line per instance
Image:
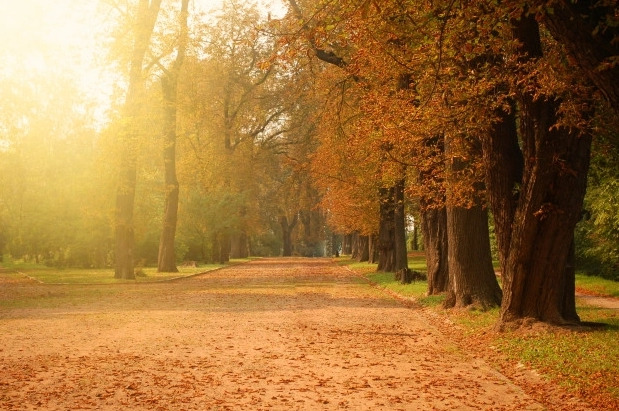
272,334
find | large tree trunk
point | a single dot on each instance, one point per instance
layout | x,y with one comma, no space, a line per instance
125,193
472,280
471,276
166,261
434,229
538,277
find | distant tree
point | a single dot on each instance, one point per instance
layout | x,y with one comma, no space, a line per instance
146,16
169,84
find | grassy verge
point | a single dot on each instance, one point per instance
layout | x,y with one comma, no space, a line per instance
49,275
597,285
585,362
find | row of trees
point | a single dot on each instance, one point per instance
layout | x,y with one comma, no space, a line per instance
464,105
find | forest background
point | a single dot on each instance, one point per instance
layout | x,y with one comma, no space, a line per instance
277,131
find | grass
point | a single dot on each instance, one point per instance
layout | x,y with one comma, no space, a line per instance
597,285
583,361
50,275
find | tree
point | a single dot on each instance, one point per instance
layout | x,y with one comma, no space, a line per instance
471,72
169,84
146,17
45,136
245,101
391,237
538,274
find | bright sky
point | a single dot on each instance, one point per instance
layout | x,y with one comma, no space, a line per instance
43,36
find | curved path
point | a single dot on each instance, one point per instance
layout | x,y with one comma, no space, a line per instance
271,334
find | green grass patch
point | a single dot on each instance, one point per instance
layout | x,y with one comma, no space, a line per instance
417,289
597,285
578,360
48,275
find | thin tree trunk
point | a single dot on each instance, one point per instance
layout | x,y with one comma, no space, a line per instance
503,164
402,273
166,261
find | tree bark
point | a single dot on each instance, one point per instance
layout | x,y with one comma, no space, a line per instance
363,253
402,273
125,193
335,245
354,245
503,164
166,260
287,233
471,276
239,247
472,280
347,244
434,229
386,232
538,275
372,252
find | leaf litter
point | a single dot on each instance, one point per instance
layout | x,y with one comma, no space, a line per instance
270,334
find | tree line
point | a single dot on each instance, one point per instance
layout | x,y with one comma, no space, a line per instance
246,134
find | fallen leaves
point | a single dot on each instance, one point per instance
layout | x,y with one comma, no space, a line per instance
330,342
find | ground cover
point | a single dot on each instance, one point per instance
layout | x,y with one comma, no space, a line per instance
270,334
54,275
584,361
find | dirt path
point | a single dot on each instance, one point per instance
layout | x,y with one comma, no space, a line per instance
272,334
599,301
